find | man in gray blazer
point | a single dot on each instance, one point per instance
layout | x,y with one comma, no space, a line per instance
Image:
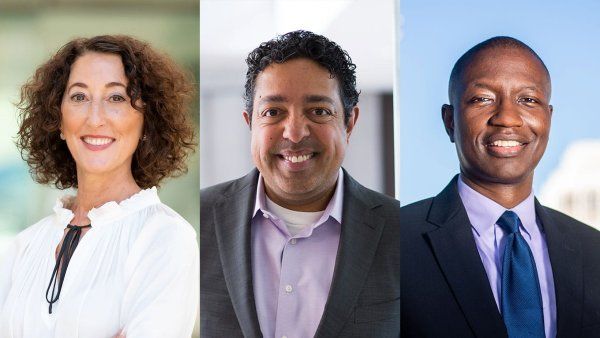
298,248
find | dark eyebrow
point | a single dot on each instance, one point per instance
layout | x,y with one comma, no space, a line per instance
108,85
115,84
77,84
318,98
272,98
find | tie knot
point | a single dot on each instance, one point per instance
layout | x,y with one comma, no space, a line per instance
509,222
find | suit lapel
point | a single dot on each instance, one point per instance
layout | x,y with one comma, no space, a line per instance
456,252
232,227
359,238
567,268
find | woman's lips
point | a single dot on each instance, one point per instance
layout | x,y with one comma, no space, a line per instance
97,143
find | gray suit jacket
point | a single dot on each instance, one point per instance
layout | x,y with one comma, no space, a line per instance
364,300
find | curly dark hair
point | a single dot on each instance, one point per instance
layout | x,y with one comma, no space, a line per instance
304,44
164,90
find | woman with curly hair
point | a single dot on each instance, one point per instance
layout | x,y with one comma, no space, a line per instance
108,116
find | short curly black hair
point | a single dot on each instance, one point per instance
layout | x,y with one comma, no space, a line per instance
304,44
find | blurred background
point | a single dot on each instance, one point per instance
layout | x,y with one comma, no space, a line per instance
434,34
230,29
33,30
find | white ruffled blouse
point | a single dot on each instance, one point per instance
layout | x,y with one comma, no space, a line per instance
136,271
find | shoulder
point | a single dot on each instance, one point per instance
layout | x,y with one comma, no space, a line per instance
39,229
228,189
585,232
370,198
416,210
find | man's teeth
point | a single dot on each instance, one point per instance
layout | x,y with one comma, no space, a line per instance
506,143
296,159
97,141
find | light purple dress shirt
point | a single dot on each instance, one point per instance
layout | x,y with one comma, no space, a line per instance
489,237
292,274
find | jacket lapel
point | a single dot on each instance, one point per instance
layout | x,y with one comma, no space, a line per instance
567,268
359,238
456,252
232,227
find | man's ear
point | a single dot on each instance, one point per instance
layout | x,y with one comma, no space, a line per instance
248,119
448,118
351,122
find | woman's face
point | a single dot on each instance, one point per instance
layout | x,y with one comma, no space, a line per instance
101,128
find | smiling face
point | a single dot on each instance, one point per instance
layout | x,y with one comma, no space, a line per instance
500,119
299,137
101,128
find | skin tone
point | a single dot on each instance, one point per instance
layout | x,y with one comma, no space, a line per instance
102,131
499,119
299,137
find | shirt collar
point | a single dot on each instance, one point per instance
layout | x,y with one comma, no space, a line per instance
333,209
483,212
108,211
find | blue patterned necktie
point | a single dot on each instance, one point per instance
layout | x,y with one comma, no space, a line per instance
521,299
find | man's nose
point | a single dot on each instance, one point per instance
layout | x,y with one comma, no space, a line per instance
507,114
296,127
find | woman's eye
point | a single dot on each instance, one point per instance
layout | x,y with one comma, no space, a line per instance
117,98
78,97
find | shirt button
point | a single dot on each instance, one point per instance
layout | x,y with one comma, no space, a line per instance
283,336
288,288
293,241
265,216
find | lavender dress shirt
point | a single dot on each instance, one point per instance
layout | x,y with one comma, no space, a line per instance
292,274
489,237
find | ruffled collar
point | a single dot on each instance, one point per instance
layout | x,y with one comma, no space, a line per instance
109,210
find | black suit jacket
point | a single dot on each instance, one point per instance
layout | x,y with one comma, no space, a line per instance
364,299
445,290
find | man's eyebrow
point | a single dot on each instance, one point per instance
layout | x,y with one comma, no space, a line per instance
318,98
272,98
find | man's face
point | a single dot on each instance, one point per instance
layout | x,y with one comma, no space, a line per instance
298,133
501,116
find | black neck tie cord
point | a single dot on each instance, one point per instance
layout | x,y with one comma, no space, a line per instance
62,261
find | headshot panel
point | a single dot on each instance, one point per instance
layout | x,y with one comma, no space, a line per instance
432,40
105,134
224,135
279,245
486,255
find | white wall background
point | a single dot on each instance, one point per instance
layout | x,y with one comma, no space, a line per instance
230,29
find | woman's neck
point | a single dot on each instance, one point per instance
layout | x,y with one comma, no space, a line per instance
94,191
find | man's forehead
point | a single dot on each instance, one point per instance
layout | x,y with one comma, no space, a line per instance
502,61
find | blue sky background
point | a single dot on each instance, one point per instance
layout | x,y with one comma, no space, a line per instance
566,35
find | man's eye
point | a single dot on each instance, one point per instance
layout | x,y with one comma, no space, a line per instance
321,112
270,112
78,97
116,98
479,99
528,100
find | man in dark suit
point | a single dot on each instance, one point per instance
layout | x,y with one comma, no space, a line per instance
484,258
298,248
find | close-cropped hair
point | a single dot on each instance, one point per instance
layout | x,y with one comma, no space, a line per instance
304,44
491,43
157,87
